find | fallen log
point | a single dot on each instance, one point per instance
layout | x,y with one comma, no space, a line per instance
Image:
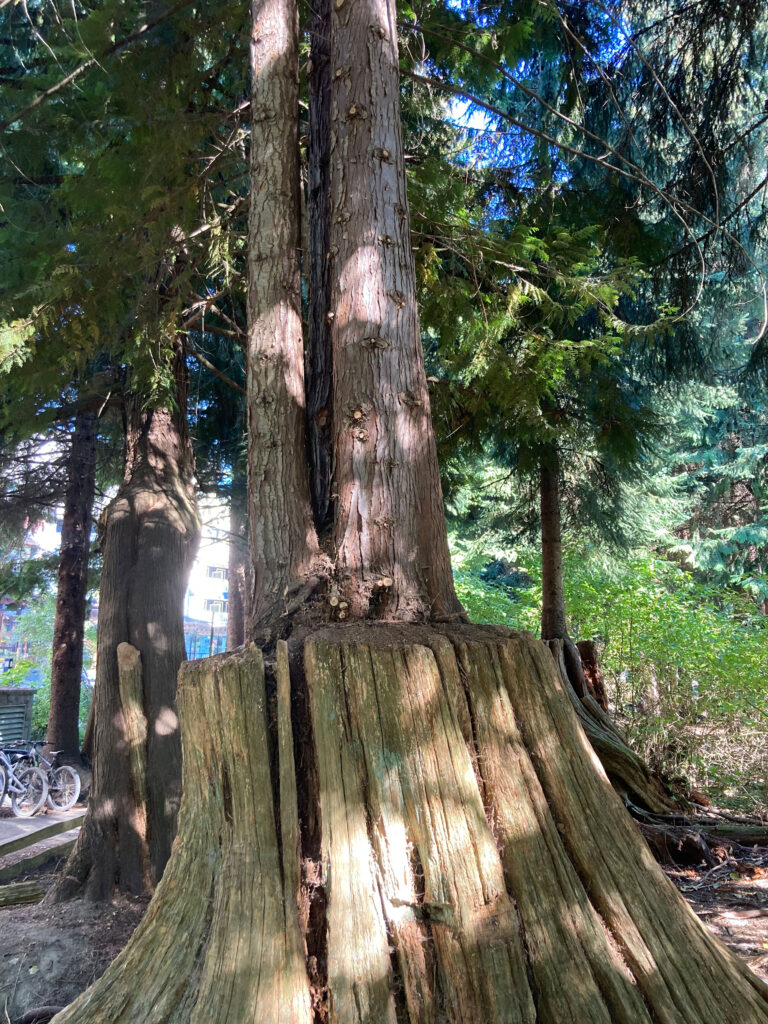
20,892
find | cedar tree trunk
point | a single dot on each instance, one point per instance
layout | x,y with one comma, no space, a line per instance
389,535
62,732
283,541
149,537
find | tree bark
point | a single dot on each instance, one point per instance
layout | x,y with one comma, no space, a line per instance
627,771
593,675
238,572
318,358
472,862
63,732
553,624
283,541
149,535
389,534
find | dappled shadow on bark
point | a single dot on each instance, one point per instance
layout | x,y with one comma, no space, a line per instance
148,534
474,862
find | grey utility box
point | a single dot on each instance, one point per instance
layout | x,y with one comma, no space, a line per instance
15,713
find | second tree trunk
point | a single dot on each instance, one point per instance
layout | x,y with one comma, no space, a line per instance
63,732
149,535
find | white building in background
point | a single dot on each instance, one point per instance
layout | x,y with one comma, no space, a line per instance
207,597
206,603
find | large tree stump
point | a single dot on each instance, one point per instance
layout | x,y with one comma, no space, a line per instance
465,857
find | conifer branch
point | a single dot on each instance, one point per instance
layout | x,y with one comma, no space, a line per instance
631,171
80,70
209,366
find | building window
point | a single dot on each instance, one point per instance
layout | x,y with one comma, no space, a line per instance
216,606
216,572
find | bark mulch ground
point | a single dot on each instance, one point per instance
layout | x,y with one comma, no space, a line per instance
48,955
732,901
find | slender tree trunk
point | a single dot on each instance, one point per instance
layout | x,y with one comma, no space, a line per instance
238,572
389,535
149,536
318,358
553,624
283,541
627,769
62,732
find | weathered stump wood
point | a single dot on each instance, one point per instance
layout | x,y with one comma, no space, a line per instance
627,769
218,942
475,863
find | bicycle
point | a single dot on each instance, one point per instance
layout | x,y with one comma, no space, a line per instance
63,780
26,784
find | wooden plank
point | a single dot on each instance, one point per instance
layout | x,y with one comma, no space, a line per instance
30,863
47,832
20,892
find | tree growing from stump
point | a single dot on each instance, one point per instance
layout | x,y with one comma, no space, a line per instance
396,817
149,534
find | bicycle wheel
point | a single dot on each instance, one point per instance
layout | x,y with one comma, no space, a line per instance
63,788
3,782
34,795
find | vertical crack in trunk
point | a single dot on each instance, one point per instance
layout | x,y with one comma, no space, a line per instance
313,903
318,355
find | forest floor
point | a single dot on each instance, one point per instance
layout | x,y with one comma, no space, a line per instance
732,901
50,954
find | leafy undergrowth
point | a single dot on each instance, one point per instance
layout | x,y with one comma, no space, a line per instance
685,663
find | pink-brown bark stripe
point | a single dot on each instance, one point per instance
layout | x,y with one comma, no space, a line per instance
282,537
389,522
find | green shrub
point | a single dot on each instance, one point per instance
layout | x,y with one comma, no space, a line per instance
685,664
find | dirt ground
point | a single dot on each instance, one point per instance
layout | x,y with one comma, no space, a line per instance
50,954
732,901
